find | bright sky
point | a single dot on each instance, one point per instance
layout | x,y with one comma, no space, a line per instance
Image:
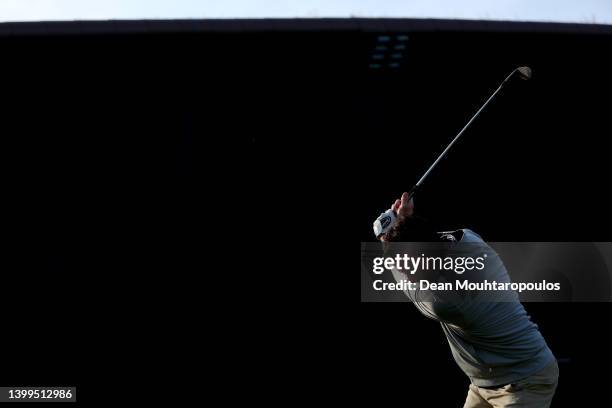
584,11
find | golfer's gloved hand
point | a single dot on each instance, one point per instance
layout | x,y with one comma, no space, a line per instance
404,208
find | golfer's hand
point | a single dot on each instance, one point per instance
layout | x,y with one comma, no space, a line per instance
403,207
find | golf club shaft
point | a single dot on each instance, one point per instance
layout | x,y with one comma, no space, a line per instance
418,184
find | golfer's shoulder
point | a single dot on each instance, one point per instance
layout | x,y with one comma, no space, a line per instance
471,236
451,236
460,235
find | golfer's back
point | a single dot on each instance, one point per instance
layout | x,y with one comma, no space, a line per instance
494,342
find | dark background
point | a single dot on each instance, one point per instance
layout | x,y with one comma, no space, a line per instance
117,135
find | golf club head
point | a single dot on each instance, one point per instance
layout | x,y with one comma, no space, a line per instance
524,72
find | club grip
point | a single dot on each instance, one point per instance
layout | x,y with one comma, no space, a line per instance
412,191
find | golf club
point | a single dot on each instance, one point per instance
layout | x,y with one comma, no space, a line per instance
387,219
